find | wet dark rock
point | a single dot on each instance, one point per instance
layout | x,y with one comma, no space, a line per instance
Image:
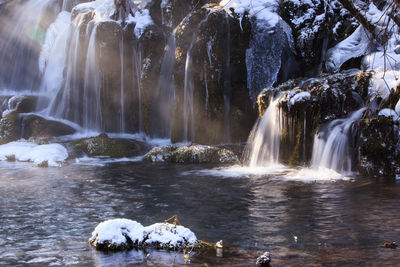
379,147
191,154
10,128
391,245
104,146
218,79
313,23
39,127
264,260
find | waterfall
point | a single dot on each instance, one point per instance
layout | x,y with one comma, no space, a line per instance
332,147
20,41
122,56
188,91
137,61
262,148
163,104
227,81
60,104
92,86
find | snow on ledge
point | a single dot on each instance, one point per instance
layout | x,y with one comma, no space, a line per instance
53,154
118,234
299,98
387,112
260,9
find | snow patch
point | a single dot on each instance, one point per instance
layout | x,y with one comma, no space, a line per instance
382,82
387,112
260,9
142,21
299,98
54,154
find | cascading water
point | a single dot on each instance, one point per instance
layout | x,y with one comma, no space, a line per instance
164,99
262,148
21,37
188,112
333,151
122,56
137,62
227,81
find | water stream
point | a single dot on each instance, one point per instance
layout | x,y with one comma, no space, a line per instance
262,148
333,147
47,215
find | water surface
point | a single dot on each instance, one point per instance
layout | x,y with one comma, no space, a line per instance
47,214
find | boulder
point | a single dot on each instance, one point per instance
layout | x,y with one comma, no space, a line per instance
10,129
104,146
39,127
122,234
191,154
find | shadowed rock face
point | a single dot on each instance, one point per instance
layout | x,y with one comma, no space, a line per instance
218,81
379,147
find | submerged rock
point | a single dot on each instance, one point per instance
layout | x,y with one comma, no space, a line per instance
191,154
103,145
122,234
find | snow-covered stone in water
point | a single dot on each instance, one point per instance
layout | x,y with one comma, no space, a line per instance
387,112
117,234
356,45
121,234
299,98
52,154
169,236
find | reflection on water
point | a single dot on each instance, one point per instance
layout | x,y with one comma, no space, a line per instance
47,215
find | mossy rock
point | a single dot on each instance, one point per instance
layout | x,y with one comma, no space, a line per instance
38,127
10,128
191,154
379,155
103,146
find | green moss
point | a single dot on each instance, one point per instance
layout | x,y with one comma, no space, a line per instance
295,157
44,164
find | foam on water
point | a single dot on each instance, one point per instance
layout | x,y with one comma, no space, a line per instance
239,171
320,174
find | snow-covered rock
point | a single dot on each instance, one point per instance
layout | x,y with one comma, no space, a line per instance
356,45
168,236
387,112
382,82
299,98
52,154
119,234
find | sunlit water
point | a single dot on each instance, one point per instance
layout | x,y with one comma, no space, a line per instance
47,215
